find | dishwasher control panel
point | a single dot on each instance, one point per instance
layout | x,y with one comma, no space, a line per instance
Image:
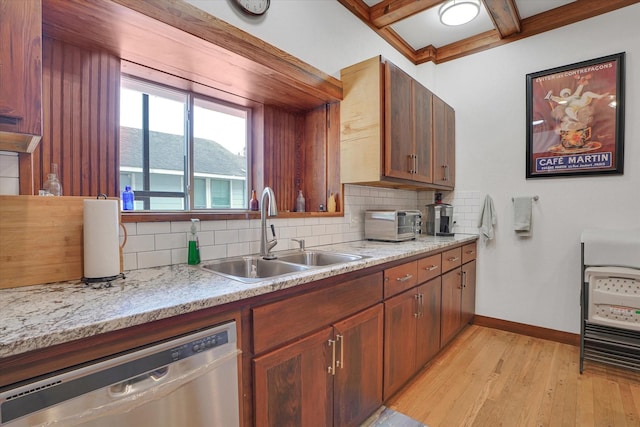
200,345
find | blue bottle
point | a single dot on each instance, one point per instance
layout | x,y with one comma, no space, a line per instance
127,199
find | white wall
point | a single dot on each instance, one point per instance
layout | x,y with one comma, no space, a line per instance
537,280
534,281
322,33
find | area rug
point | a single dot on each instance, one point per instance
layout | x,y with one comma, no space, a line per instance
386,417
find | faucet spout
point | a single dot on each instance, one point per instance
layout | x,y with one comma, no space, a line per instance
265,244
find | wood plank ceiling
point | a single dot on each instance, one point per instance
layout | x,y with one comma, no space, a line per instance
508,26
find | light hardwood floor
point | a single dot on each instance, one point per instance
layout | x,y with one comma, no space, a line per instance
488,377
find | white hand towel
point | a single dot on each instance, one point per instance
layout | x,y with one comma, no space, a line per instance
487,218
522,215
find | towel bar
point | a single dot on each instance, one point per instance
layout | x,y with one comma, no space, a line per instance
534,198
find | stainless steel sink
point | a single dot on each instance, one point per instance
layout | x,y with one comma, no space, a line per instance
252,268
318,258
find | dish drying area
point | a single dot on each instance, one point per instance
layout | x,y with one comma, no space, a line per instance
610,298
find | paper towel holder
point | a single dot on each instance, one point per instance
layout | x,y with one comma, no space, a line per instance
105,282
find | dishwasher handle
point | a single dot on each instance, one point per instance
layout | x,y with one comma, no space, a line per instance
140,383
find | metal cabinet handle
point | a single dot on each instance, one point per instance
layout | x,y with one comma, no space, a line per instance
421,305
433,267
340,362
405,278
470,251
445,173
464,279
332,368
455,258
416,313
415,163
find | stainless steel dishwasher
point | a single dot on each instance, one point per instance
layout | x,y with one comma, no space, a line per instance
187,381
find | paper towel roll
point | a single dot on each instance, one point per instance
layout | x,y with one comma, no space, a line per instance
101,238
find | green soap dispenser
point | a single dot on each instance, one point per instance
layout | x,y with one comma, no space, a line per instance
194,246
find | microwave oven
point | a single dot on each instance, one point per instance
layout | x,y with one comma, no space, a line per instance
392,225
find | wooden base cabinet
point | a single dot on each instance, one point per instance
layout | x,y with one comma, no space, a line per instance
458,295
412,333
331,377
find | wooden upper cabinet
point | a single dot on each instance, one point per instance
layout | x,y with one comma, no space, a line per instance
388,128
408,126
444,144
20,75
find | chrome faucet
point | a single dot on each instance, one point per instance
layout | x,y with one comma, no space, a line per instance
267,245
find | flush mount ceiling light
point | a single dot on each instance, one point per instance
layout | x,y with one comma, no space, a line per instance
458,12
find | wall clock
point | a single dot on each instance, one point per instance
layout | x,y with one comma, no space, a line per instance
253,7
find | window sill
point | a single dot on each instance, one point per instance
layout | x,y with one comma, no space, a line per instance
160,216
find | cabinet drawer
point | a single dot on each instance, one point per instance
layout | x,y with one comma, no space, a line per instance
429,267
469,252
451,259
283,321
400,278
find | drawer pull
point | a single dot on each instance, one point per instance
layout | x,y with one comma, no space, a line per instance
405,278
433,267
455,258
470,251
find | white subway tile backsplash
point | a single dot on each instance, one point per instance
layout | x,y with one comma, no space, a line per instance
213,225
238,249
164,243
205,238
143,243
212,252
226,236
9,186
130,261
154,259
154,227
171,241
180,255
9,165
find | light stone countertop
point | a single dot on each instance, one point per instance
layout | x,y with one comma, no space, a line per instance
35,317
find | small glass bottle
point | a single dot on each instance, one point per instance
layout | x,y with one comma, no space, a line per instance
331,204
300,202
52,185
128,197
253,203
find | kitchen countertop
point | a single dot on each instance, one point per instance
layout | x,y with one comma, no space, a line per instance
35,317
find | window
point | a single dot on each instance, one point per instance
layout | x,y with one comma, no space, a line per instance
173,166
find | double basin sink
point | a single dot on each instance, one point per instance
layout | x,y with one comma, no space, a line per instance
254,268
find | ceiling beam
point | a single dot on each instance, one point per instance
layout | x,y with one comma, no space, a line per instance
389,12
504,14
362,11
540,23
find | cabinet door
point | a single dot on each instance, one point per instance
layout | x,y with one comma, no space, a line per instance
21,66
428,322
443,143
358,379
399,340
292,384
398,146
451,302
468,292
422,118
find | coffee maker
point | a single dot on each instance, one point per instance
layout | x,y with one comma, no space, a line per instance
439,219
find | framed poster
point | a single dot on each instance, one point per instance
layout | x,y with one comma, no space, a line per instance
575,119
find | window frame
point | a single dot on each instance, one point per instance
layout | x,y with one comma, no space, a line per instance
192,97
